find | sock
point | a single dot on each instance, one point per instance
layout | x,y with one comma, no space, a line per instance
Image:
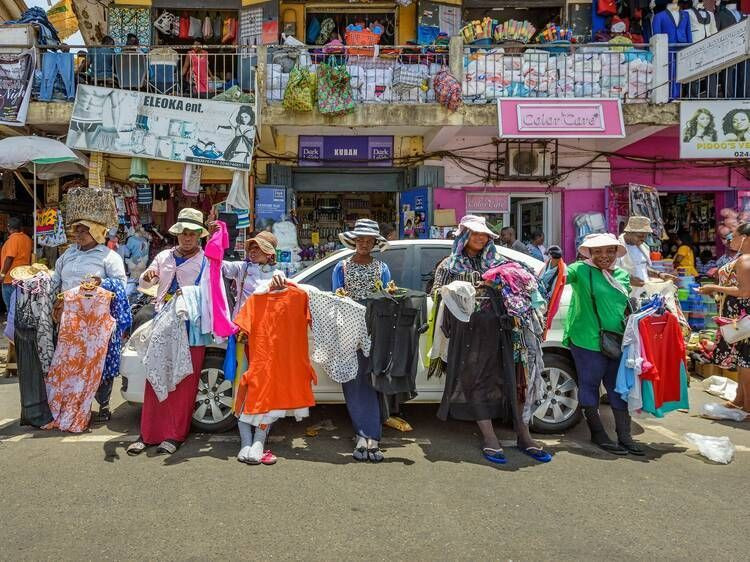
246,434
259,441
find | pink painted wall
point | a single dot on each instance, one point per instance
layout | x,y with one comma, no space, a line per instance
576,202
696,175
450,199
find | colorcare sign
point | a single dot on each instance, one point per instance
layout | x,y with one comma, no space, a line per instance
560,118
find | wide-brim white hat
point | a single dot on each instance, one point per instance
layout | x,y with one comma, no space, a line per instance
189,219
601,240
476,224
364,228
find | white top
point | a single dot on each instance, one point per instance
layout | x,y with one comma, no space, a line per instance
637,261
699,30
75,265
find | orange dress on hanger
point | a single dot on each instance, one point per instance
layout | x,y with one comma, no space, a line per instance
85,330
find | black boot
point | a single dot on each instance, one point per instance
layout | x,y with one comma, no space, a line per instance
622,426
599,437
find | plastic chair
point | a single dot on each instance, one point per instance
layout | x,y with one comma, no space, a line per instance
131,69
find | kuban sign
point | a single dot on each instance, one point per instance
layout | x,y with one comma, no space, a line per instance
16,78
715,129
203,132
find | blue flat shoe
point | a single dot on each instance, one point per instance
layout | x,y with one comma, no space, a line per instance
494,455
536,453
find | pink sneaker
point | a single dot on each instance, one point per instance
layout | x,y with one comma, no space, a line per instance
268,458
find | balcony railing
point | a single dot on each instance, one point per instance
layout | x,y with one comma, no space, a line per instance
177,71
377,74
730,83
565,71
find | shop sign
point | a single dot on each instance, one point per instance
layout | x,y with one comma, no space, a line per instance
715,129
16,78
193,131
723,49
496,203
270,204
560,118
345,152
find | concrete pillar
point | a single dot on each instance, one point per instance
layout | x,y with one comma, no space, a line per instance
456,56
659,46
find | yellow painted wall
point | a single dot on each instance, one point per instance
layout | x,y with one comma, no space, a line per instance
134,2
118,169
407,23
299,12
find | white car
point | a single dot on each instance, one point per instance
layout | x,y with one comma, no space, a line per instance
412,263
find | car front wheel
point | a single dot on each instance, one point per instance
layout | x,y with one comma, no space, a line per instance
213,402
558,409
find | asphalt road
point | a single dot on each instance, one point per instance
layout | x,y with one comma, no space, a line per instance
80,497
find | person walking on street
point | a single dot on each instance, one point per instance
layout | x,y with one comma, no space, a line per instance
595,318
637,260
15,252
509,240
536,249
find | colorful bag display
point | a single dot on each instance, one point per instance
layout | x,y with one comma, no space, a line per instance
335,89
326,30
195,29
229,31
208,28
300,90
447,90
165,23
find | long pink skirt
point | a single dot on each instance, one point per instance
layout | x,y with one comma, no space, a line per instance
171,419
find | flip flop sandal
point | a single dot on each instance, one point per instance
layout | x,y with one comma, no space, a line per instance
398,424
168,447
136,448
494,455
536,453
360,454
268,458
375,455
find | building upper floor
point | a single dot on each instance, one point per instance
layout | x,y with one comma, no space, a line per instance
404,63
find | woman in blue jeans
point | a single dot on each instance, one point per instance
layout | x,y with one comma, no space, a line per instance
599,303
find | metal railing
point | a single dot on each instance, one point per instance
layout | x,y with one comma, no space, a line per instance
730,83
173,70
591,70
381,74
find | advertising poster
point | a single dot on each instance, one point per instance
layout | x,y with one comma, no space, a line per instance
270,205
16,78
414,219
193,131
715,129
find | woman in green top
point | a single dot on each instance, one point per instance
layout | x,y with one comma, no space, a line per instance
600,298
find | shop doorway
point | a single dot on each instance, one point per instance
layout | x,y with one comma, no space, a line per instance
527,216
694,214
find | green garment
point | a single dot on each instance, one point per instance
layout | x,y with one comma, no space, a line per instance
581,327
649,400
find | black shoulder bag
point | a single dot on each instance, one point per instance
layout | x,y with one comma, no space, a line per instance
610,343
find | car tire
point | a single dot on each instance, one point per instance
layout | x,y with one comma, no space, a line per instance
560,396
210,391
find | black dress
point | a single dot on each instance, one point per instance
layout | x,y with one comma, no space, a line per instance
481,380
34,408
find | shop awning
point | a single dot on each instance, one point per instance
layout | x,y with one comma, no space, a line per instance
306,179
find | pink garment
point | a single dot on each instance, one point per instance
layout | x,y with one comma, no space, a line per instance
219,241
166,268
512,275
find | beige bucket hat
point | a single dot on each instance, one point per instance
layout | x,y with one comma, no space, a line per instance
639,224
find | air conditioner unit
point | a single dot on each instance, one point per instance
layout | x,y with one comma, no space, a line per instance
529,162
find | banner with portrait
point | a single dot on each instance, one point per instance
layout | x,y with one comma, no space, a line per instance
16,79
193,131
715,129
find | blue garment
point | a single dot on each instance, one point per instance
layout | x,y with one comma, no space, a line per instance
598,23
593,369
663,22
138,247
196,337
38,17
54,64
102,62
10,304
338,275
625,380
363,403
119,308
535,252
230,359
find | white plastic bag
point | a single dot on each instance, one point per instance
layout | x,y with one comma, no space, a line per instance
717,449
722,387
716,411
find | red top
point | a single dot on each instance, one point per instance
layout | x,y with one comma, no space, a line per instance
664,348
280,373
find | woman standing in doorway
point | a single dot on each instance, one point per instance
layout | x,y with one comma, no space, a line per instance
359,275
167,423
684,259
